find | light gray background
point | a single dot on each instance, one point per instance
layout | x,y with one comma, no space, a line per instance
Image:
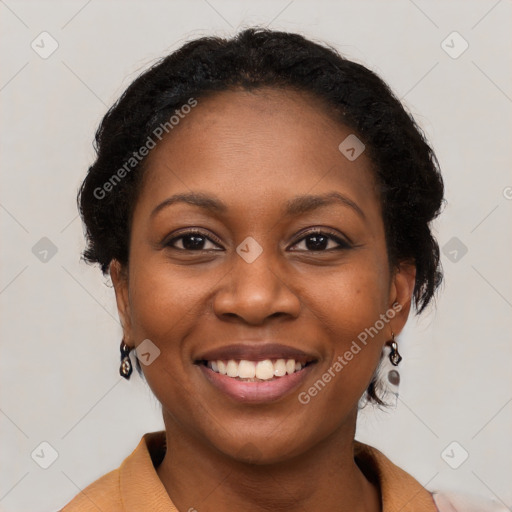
59,327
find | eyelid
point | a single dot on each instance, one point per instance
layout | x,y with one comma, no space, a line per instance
342,241
187,232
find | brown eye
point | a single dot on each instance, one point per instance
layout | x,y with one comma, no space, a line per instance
322,241
192,241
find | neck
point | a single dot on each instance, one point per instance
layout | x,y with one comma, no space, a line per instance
326,477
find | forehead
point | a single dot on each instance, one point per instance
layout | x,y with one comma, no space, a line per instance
260,146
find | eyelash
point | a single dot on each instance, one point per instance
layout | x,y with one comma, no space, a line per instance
342,244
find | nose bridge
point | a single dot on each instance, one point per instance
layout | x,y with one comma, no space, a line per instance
255,288
255,267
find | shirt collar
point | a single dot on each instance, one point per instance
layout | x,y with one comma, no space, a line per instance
141,488
400,492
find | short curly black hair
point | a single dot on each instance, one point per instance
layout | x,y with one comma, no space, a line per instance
407,171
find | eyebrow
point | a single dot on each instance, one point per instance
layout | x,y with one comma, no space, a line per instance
296,206
199,199
307,203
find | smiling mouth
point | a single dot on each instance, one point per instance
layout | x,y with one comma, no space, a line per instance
255,371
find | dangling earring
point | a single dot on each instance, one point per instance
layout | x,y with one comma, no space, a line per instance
394,358
126,368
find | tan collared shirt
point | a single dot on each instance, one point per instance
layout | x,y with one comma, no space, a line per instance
136,487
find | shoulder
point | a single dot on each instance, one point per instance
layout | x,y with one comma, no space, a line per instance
400,491
135,485
458,502
102,494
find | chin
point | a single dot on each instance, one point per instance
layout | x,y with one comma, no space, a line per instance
264,449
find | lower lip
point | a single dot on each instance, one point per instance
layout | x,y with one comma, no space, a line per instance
256,392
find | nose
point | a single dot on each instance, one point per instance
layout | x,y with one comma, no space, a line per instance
254,292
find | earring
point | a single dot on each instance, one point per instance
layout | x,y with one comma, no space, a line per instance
394,358
394,355
126,365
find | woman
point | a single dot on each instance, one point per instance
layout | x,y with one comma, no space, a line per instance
262,206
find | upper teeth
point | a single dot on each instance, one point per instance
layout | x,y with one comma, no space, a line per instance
263,370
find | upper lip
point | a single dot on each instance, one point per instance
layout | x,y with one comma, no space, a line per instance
255,352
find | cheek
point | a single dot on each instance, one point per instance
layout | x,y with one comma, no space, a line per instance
166,305
169,304
352,298
165,299
351,310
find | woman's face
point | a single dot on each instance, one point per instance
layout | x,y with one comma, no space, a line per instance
258,172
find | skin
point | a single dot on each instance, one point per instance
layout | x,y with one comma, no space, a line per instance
255,151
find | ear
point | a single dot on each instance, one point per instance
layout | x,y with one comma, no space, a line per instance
400,295
119,275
